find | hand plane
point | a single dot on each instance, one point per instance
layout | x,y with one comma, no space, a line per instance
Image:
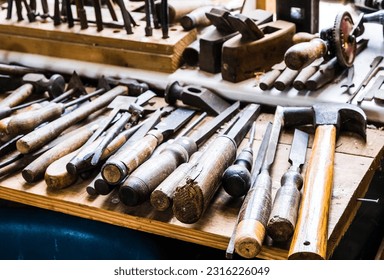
212,40
256,48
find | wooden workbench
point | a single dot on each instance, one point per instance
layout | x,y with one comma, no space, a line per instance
355,164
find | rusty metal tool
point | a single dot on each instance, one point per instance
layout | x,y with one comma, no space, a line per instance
374,68
9,9
256,208
138,187
282,220
164,18
98,15
39,137
56,13
236,179
255,172
148,16
194,193
338,41
69,14
117,168
127,17
101,186
19,10
33,84
195,96
309,240
81,14
124,105
30,12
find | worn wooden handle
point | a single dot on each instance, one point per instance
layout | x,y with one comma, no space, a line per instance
285,80
301,79
28,121
17,96
41,136
268,79
309,240
301,37
253,217
301,55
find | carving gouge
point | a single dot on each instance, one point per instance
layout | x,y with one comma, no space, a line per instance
195,192
255,172
39,137
256,208
140,184
282,221
270,77
121,164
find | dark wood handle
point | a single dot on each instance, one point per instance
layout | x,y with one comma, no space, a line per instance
301,55
309,240
28,121
17,96
282,221
140,184
253,217
41,136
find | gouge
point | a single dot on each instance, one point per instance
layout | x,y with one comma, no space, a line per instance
256,208
236,179
195,192
282,220
120,165
255,172
39,137
138,187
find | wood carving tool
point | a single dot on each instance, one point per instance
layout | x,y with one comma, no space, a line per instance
56,13
123,105
9,9
138,187
196,18
285,80
117,168
39,137
32,84
81,14
194,193
195,96
309,240
236,179
127,18
19,10
69,14
164,18
267,81
282,220
257,205
30,13
98,15
255,172
307,72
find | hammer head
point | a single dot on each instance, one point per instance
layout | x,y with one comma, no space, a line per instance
54,86
343,116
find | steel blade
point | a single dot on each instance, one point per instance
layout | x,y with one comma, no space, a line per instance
207,130
174,121
298,148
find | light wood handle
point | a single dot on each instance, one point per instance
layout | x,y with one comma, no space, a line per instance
28,121
301,55
309,240
39,137
268,79
301,37
17,96
56,176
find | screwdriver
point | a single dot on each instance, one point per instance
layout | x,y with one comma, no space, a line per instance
236,179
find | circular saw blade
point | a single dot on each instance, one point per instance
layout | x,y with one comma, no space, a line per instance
345,42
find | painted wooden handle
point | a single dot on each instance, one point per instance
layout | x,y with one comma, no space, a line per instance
303,54
309,240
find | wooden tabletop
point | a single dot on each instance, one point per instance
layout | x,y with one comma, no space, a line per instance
355,164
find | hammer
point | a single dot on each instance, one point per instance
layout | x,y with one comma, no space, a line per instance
309,240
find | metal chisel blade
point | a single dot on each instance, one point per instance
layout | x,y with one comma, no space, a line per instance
298,148
174,121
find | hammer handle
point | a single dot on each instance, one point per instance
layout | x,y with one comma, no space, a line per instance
39,137
309,240
28,121
301,55
17,96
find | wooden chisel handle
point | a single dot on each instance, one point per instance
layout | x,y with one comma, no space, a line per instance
28,121
285,80
39,137
56,176
194,194
300,81
301,55
282,221
35,170
268,79
253,217
162,197
127,160
17,96
139,185
309,240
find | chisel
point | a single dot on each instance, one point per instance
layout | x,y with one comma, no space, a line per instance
140,184
282,221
